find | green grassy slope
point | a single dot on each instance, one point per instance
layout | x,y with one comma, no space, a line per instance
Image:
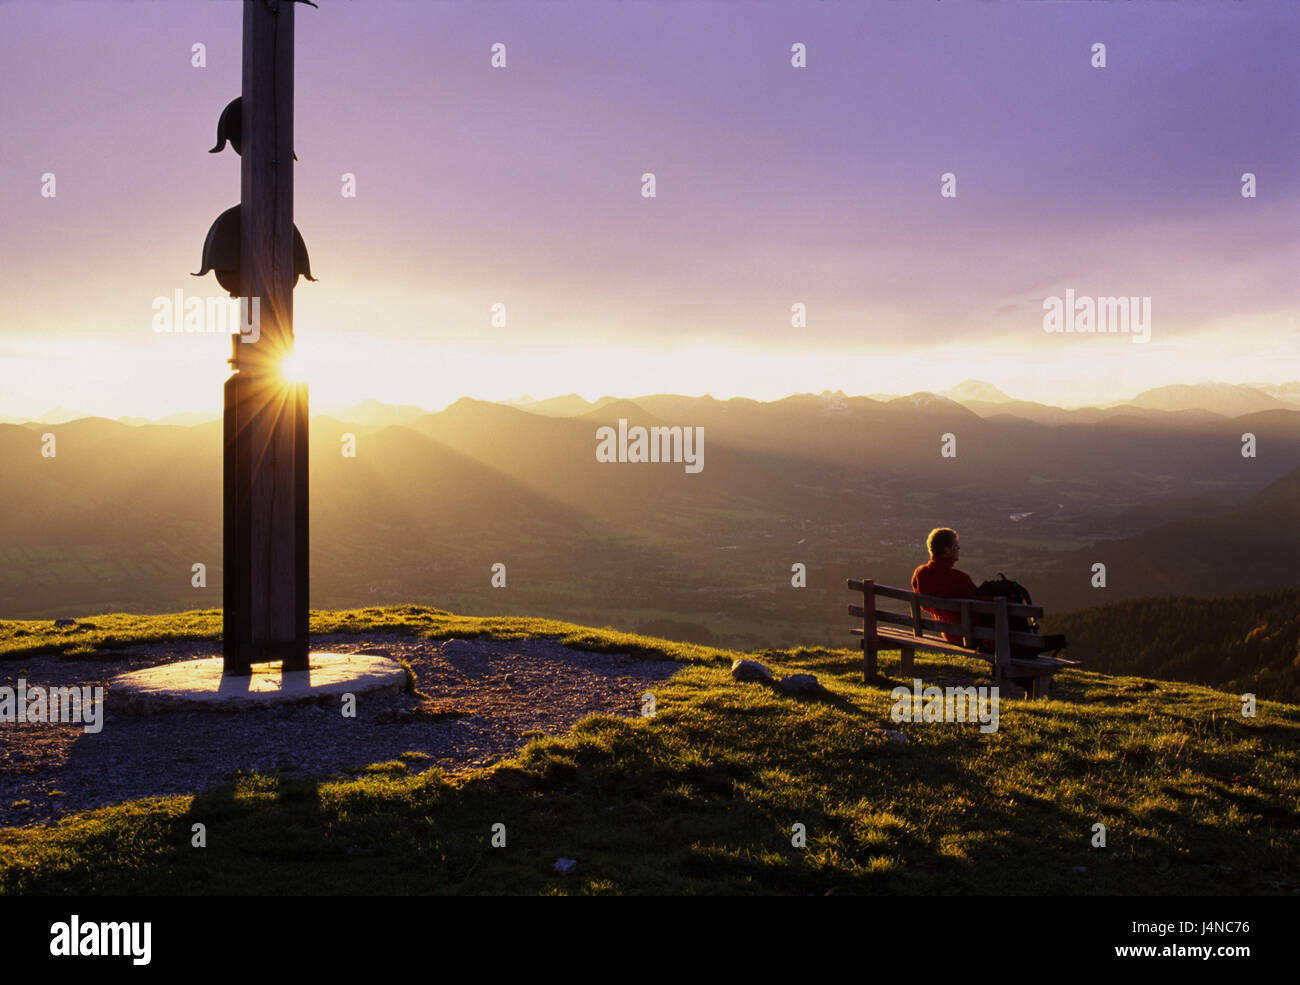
702,797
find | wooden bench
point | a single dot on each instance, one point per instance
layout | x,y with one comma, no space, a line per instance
912,631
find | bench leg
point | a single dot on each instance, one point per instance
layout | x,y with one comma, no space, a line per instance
1042,685
908,651
868,661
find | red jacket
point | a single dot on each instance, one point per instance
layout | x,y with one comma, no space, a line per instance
938,577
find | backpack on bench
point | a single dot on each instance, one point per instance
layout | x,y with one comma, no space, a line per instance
1016,594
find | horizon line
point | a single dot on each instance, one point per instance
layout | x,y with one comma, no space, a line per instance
524,401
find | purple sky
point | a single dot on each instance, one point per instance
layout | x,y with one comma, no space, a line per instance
776,185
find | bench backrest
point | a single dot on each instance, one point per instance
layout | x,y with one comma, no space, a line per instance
1001,611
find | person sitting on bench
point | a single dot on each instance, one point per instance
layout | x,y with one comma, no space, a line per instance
938,577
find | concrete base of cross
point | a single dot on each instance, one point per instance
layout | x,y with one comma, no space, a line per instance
196,685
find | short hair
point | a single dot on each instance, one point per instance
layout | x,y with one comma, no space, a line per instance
940,539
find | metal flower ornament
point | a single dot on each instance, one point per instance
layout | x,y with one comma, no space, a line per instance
221,251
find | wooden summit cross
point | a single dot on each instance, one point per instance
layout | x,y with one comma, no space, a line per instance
264,499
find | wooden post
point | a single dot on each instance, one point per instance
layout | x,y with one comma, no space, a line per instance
917,629
869,629
265,469
906,653
1002,640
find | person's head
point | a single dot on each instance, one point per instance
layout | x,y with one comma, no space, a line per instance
943,543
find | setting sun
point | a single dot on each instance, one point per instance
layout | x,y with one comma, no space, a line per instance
292,368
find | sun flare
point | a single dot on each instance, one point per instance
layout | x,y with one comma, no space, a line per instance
292,368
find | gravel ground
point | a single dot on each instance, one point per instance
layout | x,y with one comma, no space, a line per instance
485,696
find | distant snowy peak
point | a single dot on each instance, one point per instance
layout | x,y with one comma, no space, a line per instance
924,401
977,390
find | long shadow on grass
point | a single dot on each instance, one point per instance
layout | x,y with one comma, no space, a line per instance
695,801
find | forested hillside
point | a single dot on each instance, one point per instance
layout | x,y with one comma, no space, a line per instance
1241,643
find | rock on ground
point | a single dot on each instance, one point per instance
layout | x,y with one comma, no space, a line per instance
750,670
801,684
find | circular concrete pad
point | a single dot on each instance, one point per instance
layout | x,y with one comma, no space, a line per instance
196,685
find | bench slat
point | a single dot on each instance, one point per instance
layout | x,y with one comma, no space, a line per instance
980,606
1056,663
894,636
905,638
979,632
1019,668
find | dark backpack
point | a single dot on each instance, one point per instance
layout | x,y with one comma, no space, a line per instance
1016,594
